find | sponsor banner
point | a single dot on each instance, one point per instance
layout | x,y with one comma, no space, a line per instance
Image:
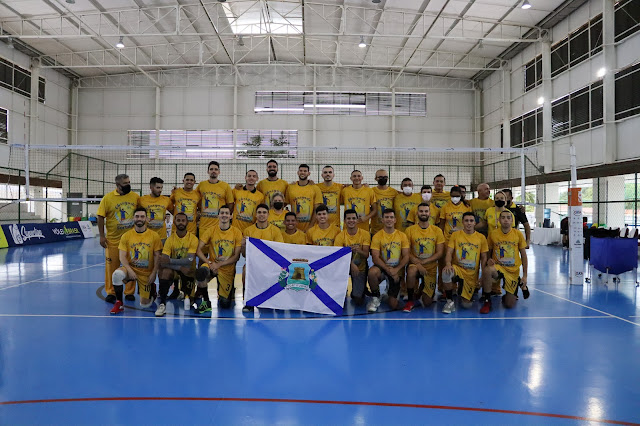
18,235
576,232
3,240
87,229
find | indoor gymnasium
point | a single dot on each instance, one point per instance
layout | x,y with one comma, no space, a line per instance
319,212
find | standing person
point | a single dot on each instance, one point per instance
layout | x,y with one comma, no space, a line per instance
178,261
359,241
225,243
390,254
440,196
507,251
139,253
451,213
434,211
385,196
186,200
360,198
480,205
168,223
246,201
322,233
304,197
292,235
213,194
404,202
277,210
519,215
331,195
272,183
492,215
117,207
466,254
427,248
157,205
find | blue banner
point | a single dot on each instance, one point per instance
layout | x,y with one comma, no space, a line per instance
25,234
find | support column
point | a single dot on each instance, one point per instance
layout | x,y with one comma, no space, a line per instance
615,192
609,146
157,117
547,94
506,105
540,204
73,113
235,114
553,196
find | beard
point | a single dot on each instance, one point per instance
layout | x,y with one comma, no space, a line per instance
272,173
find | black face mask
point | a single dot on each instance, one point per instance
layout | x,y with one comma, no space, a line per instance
382,181
500,203
278,205
125,189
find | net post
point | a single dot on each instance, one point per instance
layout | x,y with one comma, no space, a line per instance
523,183
26,173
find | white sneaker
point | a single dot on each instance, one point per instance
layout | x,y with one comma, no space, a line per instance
449,307
374,304
187,303
162,309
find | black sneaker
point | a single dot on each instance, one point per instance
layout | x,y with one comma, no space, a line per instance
205,306
110,298
130,298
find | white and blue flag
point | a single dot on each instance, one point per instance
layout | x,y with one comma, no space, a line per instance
290,276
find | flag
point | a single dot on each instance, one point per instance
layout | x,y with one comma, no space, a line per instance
291,276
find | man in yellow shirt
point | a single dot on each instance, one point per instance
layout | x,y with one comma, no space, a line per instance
507,251
117,207
304,197
157,205
390,254
178,261
322,233
213,194
434,211
246,201
427,247
385,196
224,243
451,213
139,253
466,254
360,198
359,241
331,195
440,197
272,183
480,205
291,234
186,200
404,202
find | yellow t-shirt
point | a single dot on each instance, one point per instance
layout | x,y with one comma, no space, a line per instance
276,219
187,203
493,219
479,207
156,208
390,246
118,211
403,205
298,238
244,210
303,200
361,239
212,197
385,199
434,215
506,248
332,199
322,237
179,248
440,198
222,245
452,215
424,241
466,253
360,200
140,248
268,188
270,233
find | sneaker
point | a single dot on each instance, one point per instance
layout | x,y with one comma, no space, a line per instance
181,296
130,298
374,304
449,307
408,306
187,303
117,308
110,298
525,292
162,309
247,308
486,307
204,307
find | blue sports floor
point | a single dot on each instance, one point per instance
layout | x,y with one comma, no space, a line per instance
566,355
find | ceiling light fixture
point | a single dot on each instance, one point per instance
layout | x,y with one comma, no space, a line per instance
375,1
601,72
540,100
10,43
71,1
120,43
240,40
362,43
480,45
526,5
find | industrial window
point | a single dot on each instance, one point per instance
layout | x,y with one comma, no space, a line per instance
560,57
526,130
581,44
18,79
533,73
22,81
627,93
560,117
4,126
627,19
577,111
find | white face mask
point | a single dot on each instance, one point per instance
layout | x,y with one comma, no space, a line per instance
456,200
426,197
407,190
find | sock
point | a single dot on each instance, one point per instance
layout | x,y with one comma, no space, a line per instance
449,294
119,289
187,288
410,294
205,293
164,290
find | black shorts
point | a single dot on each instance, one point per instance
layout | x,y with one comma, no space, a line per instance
393,286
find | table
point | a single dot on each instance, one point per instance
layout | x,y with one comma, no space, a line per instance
546,236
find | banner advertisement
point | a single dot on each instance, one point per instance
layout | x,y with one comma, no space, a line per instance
87,229
18,235
3,240
576,237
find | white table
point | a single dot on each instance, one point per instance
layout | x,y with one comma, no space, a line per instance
546,236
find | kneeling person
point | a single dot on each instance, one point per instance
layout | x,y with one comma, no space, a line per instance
359,241
225,243
139,252
509,252
178,261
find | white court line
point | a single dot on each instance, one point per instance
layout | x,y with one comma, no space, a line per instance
53,276
345,318
589,307
74,282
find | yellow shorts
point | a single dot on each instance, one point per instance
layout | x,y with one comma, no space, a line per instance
225,277
429,279
511,279
144,286
469,281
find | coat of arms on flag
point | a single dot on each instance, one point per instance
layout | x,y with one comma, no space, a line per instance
289,276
